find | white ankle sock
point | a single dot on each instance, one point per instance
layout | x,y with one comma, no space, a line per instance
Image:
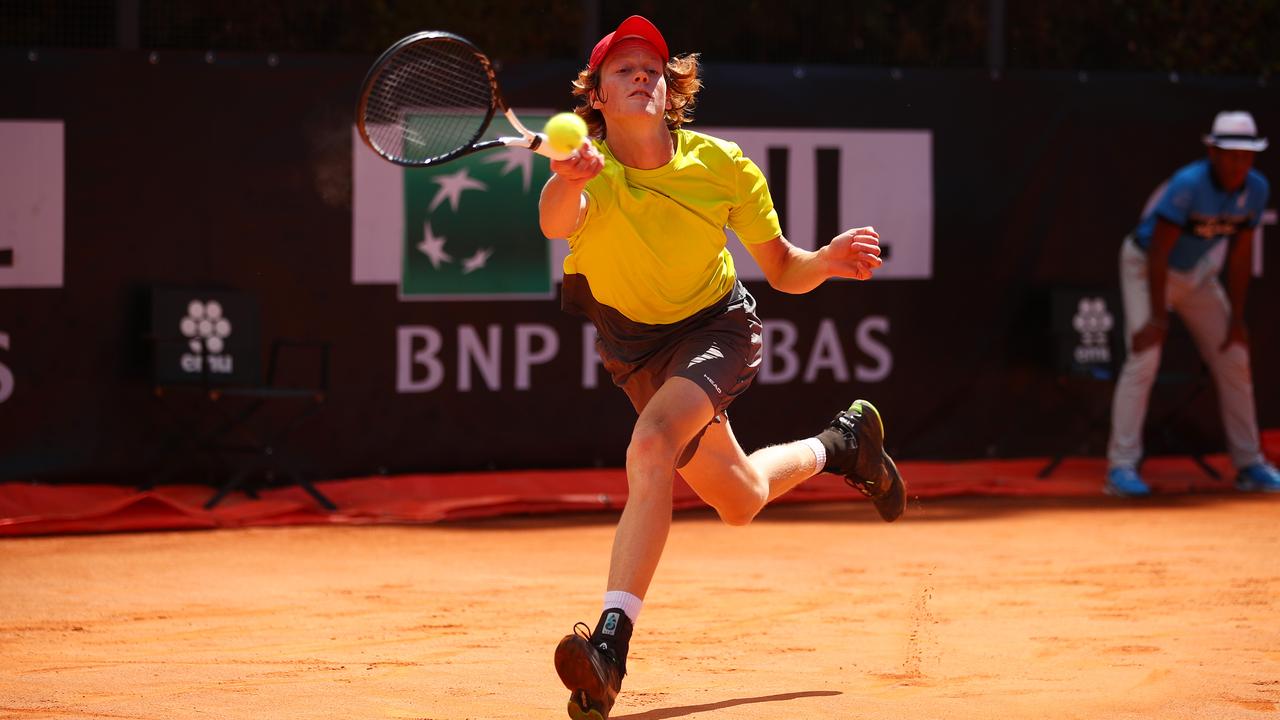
624,601
819,453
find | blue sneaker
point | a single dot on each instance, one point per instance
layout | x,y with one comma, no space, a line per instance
1125,482
1260,477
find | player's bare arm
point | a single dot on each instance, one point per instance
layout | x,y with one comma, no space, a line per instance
562,206
852,254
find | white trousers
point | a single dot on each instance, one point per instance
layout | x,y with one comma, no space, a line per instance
1200,301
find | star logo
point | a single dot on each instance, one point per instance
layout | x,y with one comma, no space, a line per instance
470,229
451,187
432,246
477,261
515,158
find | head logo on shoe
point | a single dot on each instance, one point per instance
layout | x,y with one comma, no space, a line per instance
610,624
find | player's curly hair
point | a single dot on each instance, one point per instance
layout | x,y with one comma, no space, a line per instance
683,85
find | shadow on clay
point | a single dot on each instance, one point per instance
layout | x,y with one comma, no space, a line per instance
675,712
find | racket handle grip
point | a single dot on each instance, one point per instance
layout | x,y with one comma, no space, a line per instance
540,145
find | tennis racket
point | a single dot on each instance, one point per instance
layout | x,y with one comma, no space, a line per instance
429,99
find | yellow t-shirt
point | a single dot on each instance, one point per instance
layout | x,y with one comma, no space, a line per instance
653,243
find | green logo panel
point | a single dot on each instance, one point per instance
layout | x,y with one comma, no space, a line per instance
471,225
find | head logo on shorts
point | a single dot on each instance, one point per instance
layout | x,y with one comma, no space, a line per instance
471,227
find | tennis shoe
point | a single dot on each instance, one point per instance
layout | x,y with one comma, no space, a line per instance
1259,477
591,672
861,459
1125,482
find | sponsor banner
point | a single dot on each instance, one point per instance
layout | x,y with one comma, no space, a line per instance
469,358
469,229
827,181
954,340
31,203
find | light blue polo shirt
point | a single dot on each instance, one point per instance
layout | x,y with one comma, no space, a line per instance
1206,213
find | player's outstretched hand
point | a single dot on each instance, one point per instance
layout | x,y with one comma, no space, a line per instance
855,253
581,166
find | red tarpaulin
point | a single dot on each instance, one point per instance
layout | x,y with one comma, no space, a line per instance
28,509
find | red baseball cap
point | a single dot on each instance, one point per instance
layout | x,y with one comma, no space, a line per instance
634,27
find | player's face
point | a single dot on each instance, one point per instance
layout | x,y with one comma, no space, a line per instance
1230,167
632,84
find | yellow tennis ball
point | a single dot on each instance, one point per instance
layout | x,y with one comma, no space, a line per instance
565,132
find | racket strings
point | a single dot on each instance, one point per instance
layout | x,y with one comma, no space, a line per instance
430,99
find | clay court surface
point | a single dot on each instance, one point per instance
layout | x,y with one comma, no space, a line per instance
968,608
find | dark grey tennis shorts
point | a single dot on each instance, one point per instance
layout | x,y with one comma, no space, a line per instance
719,348
722,358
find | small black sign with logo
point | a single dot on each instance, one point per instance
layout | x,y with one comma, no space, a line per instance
205,336
1087,329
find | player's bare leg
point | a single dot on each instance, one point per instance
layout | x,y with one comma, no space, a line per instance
675,414
592,664
737,485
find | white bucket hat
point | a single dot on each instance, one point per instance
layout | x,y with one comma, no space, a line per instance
1235,130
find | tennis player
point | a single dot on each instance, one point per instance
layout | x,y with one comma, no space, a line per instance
643,204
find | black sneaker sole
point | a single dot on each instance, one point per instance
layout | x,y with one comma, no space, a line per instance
893,503
575,666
